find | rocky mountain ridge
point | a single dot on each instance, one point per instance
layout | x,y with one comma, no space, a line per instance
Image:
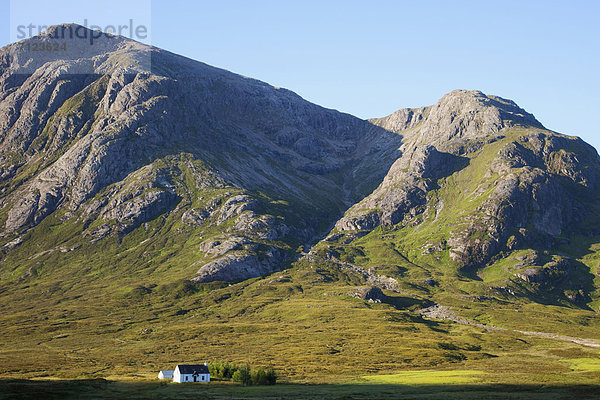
118,140
113,143
525,188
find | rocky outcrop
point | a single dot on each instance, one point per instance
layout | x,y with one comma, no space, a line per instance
232,267
371,294
195,217
97,133
529,190
533,201
218,247
548,274
141,208
457,118
402,194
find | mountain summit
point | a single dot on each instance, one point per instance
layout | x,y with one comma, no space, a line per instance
252,169
484,178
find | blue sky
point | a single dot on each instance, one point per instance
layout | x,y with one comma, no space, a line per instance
371,58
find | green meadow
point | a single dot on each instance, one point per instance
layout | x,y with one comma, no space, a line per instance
99,320
103,340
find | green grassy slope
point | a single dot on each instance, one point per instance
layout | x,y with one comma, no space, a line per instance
301,320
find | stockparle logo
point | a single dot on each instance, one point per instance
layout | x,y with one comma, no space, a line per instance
30,18
73,33
85,31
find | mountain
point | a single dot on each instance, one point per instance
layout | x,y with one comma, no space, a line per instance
479,182
153,207
99,142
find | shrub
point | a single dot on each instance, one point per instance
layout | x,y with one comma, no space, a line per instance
259,377
213,369
227,370
221,370
271,376
242,375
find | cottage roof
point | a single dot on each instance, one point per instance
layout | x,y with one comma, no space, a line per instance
192,369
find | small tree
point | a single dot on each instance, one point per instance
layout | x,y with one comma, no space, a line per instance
259,377
242,375
221,370
228,370
270,376
213,369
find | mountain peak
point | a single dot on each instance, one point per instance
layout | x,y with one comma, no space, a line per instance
458,114
56,30
73,32
461,99
76,49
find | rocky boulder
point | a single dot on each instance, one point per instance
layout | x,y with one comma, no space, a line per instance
372,294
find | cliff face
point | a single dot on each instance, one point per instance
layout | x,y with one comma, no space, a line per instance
116,134
491,169
122,148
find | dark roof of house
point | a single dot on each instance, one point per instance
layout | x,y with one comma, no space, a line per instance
192,369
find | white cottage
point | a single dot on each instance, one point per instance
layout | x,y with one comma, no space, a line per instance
191,373
166,374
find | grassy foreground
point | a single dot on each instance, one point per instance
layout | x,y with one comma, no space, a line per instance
101,389
86,342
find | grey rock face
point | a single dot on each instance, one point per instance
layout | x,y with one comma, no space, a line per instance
459,116
92,133
141,208
533,200
534,189
548,274
234,206
266,227
194,217
218,248
233,267
402,194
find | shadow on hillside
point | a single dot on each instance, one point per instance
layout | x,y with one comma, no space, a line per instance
404,302
578,282
103,389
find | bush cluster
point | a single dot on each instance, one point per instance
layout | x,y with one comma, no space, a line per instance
242,373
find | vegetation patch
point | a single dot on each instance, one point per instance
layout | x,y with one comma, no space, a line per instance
584,364
426,377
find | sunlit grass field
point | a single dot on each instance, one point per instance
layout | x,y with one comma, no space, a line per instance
89,342
427,377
